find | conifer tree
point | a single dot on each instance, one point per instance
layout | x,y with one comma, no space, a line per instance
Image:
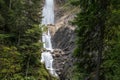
94,32
20,46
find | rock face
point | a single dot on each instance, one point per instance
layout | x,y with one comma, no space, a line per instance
63,42
64,39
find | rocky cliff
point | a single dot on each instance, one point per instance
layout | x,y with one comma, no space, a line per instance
63,42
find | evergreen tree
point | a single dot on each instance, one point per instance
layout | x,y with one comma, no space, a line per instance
20,46
95,36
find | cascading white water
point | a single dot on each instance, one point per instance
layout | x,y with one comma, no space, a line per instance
46,39
48,18
48,60
48,12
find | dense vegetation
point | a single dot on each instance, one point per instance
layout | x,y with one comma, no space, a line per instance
98,40
20,47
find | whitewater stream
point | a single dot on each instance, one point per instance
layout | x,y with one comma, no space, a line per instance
48,19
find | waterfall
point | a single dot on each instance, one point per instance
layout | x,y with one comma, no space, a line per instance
46,39
48,18
48,12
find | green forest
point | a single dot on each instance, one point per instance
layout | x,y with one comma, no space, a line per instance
98,39
20,49
97,43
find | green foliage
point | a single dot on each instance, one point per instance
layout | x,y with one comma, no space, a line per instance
44,28
20,45
75,2
98,40
10,61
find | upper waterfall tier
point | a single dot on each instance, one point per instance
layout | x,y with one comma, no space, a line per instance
48,18
48,12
